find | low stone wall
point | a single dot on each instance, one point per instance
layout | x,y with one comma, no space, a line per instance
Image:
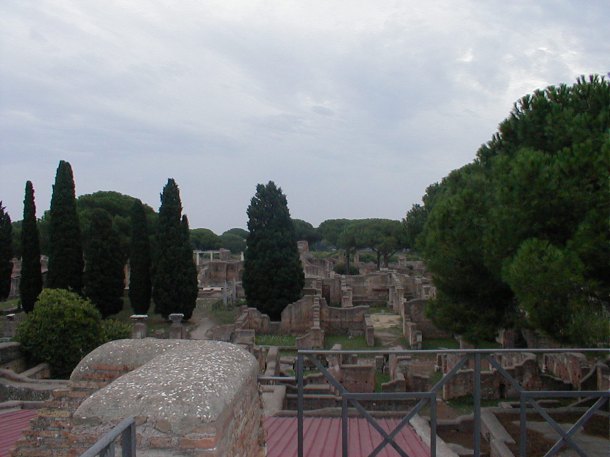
11,357
414,311
22,387
343,320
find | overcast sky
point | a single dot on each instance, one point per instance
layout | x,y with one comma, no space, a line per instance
352,107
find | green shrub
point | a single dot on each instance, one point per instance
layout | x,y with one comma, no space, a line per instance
115,330
61,330
341,270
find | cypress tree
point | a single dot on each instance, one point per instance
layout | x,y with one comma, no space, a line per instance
273,276
30,285
140,282
169,252
187,284
6,253
65,245
104,274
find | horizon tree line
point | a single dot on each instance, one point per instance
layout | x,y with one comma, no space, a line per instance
97,271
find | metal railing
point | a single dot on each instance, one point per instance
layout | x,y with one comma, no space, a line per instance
105,446
429,398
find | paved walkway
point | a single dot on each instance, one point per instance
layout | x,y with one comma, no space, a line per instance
591,445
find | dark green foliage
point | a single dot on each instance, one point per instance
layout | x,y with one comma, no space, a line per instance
119,207
188,278
204,239
30,285
104,271
65,245
6,253
115,330
232,242
305,231
527,223
16,238
173,279
273,275
341,269
237,231
383,236
140,279
61,330
331,229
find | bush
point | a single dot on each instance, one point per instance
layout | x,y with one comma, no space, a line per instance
341,270
115,330
61,330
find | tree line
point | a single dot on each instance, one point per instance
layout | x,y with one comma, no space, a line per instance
519,238
95,269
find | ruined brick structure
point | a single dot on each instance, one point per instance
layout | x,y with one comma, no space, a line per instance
214,411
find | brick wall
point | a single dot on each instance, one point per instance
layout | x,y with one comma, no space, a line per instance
51,432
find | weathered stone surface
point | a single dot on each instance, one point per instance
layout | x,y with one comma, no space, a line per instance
184,382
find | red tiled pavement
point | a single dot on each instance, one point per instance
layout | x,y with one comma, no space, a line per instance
12,425
323,438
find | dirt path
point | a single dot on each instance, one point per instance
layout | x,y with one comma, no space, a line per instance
201,322
388,329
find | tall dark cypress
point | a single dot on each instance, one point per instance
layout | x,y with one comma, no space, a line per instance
169,251
140,282
30,285
188,274
6,253
65,246
273,276
104,272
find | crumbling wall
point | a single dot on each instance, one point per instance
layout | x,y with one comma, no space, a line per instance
343,320
570,367
414,311
297,317
522,366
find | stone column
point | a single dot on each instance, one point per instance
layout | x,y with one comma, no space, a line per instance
138,328
10,325
346,297
176,330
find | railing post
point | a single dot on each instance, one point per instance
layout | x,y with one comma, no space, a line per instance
300,437
433,426
128,441
344,427
477,404
522,426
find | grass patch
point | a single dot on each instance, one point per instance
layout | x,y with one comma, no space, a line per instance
220,313
380,310
488,345
438,343
8,304
275,340
381,378
465,405
346,342
155,323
